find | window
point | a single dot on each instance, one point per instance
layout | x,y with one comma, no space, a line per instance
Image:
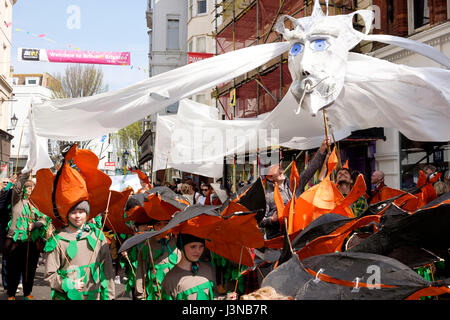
31,80
418,14
201,6
201,44
173,34
191,46
421,13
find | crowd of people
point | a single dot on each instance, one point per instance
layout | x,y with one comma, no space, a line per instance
82,259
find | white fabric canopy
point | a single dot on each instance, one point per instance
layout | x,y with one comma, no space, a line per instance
163,140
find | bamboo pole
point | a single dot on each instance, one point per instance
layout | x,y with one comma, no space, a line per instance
101,231
239,270
325,120
290,164
120,242
154,269
18,150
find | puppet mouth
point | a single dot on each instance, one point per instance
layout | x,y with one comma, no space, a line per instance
319,90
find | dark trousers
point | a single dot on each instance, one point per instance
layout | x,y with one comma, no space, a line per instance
18,264
4,281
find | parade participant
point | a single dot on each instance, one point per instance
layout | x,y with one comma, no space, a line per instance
153,265
26,226
344,181
381,192
79,264
190,279
270,222
5,217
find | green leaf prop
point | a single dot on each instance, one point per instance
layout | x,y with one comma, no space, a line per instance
92,242
67,285
72,249
19,222
94,272
74,294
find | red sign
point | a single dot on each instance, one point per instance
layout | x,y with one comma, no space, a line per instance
110,164
197,56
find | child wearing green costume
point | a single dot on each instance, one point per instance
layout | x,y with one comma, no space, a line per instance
190,279
79,263
153,265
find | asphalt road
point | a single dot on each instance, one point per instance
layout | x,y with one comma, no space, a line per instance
41,289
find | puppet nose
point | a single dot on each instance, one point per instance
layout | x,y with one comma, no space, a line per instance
305,73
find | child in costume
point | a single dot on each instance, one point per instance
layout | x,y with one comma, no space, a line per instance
26,226
190,279
153,266
79,264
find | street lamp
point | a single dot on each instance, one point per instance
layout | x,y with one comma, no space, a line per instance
13,122
125,161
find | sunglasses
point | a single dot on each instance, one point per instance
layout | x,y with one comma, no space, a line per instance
204,189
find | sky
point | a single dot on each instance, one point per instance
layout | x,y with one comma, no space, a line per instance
88,25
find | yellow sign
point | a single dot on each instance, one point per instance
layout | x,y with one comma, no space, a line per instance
233,98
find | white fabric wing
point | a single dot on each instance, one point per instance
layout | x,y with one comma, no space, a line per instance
416,101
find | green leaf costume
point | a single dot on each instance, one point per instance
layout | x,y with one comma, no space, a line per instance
70,259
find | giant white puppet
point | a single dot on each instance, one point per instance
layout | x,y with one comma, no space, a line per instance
358,91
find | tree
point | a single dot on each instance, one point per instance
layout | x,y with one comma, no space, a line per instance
78,81
128,138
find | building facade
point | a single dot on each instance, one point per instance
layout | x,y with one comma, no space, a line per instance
426,22
167,31
200,38
6,90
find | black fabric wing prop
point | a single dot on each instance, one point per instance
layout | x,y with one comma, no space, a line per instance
182,216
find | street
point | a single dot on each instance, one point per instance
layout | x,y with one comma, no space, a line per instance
41,289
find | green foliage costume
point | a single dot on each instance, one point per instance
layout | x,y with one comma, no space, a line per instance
71,256
165,256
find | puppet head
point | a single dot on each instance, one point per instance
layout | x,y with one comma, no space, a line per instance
318,53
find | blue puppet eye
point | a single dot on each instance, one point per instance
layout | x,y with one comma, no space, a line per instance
319,44
296,49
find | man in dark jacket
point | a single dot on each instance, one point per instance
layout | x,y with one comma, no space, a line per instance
270,221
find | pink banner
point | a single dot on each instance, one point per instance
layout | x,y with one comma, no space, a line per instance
91,57
197,56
